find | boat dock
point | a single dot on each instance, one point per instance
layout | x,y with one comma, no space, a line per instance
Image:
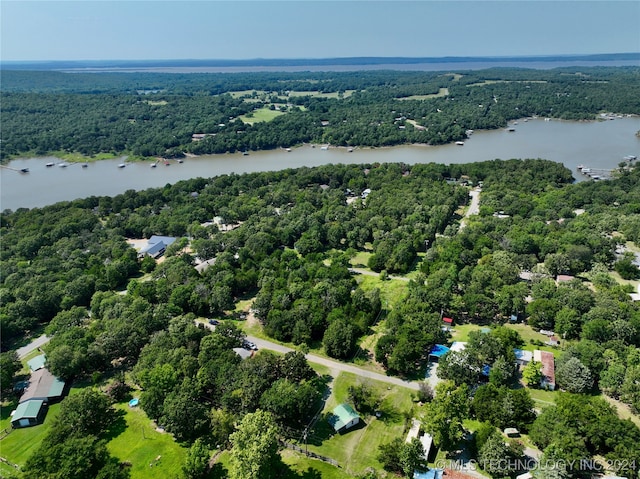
19,170
596,173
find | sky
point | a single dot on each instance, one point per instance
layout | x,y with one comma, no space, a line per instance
157,29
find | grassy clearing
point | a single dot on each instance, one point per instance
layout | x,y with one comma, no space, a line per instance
259,115
391,291
456,76
249,93
442,92
137,442
317,94
491,82
132,439
361,259
357,448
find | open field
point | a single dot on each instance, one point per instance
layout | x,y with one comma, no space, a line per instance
261,114
249,95
21,443
492,82
461,331
361,259
317,94
441,93
133,439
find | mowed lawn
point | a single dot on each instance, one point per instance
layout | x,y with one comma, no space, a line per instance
22,442
357,449
133,439
259,115
140,444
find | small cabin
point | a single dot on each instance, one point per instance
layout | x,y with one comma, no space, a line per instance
343,417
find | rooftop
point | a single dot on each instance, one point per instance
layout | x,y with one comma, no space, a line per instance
37,362
27,410
343,414
43,385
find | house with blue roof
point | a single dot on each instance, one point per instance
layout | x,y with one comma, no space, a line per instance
156,246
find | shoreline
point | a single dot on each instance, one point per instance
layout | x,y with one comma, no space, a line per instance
80,158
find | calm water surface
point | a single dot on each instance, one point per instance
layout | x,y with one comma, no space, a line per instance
600,144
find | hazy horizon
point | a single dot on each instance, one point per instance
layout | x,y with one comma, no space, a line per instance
94,30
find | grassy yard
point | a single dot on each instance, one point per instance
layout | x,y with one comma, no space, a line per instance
132,439
528,334
259,115
304,467
357,449
542,397
461,331
137,442
361,259
21,443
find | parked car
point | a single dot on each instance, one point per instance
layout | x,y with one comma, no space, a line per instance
214,322
249,345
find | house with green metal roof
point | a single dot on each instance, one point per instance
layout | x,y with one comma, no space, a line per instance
29,413
343,417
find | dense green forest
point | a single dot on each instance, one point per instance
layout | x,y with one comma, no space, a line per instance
293,235
148,115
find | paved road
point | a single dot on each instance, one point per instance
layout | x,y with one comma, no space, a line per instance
474,206
35,344
336,366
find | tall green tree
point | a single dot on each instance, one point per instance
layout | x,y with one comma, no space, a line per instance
444,415
254,451
196,464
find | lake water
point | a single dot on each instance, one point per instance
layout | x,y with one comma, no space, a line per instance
597,144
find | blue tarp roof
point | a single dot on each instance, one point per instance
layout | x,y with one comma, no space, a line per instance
438,350
486,369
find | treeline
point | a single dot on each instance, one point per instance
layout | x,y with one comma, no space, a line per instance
156,114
